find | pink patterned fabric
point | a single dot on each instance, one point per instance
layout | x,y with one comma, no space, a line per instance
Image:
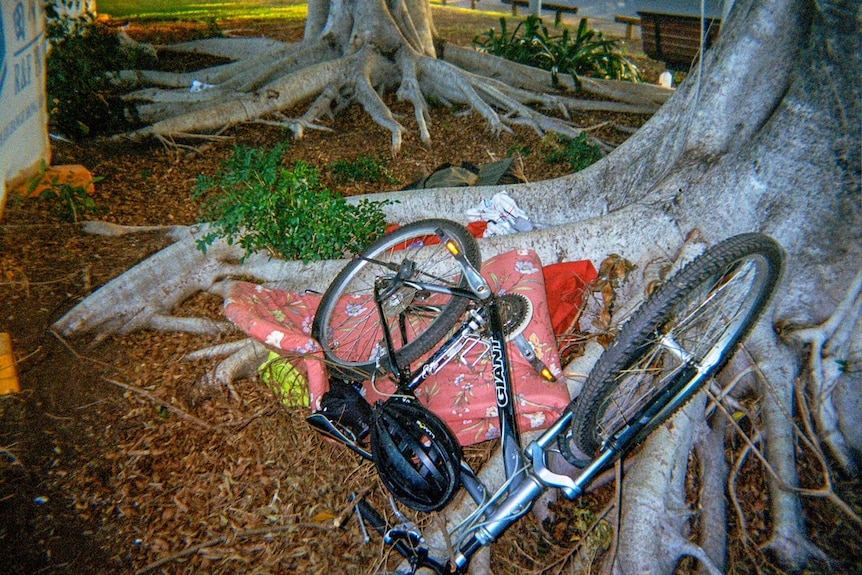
281,320
462,393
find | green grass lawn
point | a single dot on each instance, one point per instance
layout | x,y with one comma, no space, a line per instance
203,9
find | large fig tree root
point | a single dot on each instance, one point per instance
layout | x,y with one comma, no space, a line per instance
766,139
358,52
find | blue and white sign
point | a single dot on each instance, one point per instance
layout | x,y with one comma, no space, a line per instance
2,54
23,115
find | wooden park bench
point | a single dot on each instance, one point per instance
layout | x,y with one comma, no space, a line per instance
675,39
630,22
556,7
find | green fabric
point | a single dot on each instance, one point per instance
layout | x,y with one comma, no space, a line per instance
448,176
451,177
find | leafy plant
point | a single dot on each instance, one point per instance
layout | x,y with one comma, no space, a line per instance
71,202
68,201
82,54
212,30
519,149
260,205
362,169
578,152
586,53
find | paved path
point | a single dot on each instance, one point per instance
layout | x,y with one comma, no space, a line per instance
600,13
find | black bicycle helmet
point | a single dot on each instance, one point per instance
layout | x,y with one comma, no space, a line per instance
415,453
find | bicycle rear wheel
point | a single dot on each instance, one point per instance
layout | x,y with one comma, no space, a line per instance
348,325
675,341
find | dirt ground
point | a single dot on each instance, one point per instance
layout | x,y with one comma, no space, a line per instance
114,459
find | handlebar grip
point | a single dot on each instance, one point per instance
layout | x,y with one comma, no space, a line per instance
367,511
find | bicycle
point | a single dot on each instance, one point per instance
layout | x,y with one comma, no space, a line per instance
422,279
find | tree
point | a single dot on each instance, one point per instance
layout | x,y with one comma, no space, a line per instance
355,51
763,135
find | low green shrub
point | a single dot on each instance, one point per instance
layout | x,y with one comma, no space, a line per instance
262,206
577,152
70,202
362,169
82,54
586,53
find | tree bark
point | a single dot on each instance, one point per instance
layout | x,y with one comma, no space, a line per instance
763,136
358,51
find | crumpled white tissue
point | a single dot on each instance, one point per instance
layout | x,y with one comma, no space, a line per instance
502,214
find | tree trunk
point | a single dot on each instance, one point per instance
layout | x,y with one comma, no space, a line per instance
762,136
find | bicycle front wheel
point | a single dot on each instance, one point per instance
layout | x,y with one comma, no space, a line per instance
675,341
348,324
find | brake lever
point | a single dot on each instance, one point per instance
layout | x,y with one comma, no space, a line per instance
404,538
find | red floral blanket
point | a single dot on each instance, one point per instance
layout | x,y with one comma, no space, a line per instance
462,393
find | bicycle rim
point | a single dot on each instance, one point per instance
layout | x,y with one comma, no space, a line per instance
348,323
676,341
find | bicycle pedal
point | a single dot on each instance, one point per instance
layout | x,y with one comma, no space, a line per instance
404,538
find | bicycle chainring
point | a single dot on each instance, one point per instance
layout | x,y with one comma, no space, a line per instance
516,311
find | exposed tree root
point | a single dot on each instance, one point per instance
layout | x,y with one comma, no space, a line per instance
146,295
241,363
830,358
638,98
720,158
655,493
360,52
712,502
789,540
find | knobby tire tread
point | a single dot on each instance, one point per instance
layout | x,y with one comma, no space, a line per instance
634,336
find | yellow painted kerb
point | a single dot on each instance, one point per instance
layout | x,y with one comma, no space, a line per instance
8,373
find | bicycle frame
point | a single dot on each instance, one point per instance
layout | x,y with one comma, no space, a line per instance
527,473
688,330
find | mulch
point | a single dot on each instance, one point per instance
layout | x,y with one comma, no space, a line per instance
114,458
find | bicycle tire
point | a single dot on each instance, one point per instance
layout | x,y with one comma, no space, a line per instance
705,310
347,323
